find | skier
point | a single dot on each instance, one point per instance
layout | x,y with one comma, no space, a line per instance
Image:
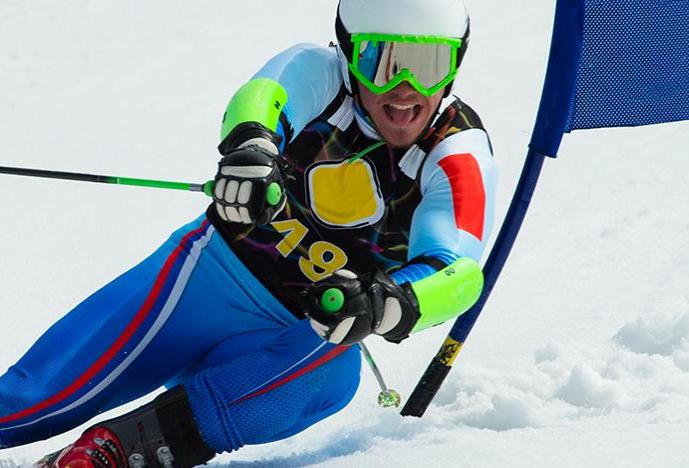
351,199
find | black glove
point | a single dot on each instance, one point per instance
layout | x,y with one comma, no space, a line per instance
345,308
249,186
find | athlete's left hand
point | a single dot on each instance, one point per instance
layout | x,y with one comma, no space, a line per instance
345,308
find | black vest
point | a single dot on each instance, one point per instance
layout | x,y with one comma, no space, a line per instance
339,214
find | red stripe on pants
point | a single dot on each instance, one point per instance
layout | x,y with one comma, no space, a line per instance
119,343
329,356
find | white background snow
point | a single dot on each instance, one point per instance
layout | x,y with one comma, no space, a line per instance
582,355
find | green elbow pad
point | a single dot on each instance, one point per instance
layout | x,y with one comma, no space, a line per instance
448,293
260,100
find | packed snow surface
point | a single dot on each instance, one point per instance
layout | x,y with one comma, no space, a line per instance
582,355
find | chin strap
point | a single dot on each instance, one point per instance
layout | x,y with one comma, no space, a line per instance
364,120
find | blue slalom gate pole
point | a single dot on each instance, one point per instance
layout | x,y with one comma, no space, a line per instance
440,366
553,113
599,76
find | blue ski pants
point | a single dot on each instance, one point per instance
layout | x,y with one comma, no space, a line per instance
189,314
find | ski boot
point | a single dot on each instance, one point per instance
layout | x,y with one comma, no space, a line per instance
161,434
96,447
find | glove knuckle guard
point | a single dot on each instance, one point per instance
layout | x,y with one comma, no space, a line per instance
242,183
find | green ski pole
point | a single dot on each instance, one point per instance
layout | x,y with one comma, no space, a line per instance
206,188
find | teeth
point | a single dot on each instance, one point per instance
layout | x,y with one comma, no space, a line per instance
400,107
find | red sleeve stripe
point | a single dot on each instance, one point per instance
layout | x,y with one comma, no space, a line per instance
468,192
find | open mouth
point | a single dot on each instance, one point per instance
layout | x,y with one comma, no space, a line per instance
402,115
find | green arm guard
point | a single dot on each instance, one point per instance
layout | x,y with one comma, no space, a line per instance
260,100
448,293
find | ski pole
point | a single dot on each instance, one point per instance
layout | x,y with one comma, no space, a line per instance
387,397
332,301
206,188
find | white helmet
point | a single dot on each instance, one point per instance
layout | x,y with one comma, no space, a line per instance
443,18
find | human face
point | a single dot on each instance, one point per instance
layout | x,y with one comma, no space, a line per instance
400,115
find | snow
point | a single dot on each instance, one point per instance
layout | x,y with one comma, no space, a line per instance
582,354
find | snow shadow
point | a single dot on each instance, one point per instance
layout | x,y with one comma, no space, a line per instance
387,427
643,369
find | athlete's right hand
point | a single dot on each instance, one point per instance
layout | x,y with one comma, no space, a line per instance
249,186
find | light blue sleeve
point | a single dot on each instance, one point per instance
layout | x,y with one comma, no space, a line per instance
455,216
312,78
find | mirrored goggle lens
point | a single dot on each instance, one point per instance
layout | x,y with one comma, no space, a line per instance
381,61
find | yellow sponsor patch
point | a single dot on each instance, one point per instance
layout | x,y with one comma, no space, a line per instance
449,351
344,194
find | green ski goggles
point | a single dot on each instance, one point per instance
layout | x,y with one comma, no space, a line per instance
383,61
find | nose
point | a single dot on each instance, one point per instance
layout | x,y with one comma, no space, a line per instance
404,90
